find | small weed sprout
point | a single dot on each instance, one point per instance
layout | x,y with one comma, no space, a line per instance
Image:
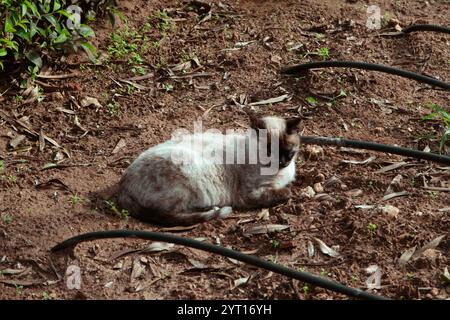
372,227
123,214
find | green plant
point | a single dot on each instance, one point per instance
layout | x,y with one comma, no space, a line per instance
410,276
324,53
2,166
12,178
18,288
113,108
312,101
306,289
433,195
443,116
325,273
275,244
355,279
46,296
124,214
7,218
75,199
161,21
28,28
372,227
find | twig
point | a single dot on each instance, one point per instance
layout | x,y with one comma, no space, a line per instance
440,189
58,76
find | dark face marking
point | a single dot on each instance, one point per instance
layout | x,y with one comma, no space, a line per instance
289,144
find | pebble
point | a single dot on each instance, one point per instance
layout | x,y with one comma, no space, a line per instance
391,211
313,152
320,178
308,192
318,187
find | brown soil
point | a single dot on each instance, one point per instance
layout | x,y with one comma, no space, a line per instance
35,219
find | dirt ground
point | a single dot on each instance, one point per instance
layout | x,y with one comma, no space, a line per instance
233,57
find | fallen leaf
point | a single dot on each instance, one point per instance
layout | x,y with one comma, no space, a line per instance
391,167
178,229
311,250
446,276
264,214
240,281
16,141
137,269
366,161
89,101
158,246
406,256
120,145
197,264
430,245
395,195
326,249
13,271
270,101
268,228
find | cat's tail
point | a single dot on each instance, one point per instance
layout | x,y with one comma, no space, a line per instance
184,218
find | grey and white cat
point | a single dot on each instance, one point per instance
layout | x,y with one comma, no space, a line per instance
157,189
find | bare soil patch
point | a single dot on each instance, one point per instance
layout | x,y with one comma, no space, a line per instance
240,49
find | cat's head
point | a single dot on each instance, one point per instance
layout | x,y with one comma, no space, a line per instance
286,130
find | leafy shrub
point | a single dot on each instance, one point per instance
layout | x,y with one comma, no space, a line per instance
31,29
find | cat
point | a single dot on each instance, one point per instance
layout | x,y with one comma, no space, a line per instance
157,189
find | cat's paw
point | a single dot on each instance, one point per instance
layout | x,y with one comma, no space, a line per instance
282,195
225,212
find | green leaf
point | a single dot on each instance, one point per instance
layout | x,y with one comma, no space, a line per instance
2,67
34,58
311,100
86,31
9,26
24,9
3,52
56,5
51,19
60,39
35,10
112,18
90,51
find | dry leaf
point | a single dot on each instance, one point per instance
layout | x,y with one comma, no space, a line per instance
158,246
138,268
311,250
240,281
367,161
403,260
268,228
197,264
89,101
264,214
270,101
121,144
326,249
16,141
430,245
391,167
395,195
446,276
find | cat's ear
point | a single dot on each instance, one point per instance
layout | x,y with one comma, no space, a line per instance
255,121
292,125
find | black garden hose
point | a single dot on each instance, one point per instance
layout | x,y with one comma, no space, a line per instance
255,261
426,27
341,142
300,68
